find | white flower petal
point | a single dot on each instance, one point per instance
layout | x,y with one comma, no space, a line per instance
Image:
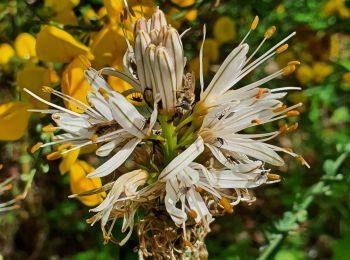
171,198
182,160
117,160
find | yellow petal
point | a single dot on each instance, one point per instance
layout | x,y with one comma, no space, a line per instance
56,45
34,78
66,17
224,29
321,71
6,53
107,45
25,46
13,120
191,15
59,5
305,74
74,82
114,8
79,183
68,160
183,3
89,14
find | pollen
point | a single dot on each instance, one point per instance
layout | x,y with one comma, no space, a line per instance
63,147
198,189
293,113
136,98
47,89
270,32
49,128
53,156
191,213
294,62
36,147
288,70
273,177
226,204
260,93
254,23
281,49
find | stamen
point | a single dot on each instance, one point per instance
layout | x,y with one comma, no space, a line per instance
302,160
293,113
281,49
279,109
226,204
188,243
288,70
63,147
191,213
283,129
273,177
256,121
53,156
270,32
198,189
36,147
104,93
49,128
260,93
94,138
294,62
47,89
254,23
293,127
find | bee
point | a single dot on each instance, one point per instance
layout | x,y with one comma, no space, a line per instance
186,96
104,128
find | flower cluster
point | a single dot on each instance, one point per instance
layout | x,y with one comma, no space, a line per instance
178,158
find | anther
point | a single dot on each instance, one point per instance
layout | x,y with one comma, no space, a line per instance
63,147
191,213
279,109
293,62
36,147
254,23
226,204
198,189
288,70
283,129
270,32
256,121
281,49
273,177
47,89
53,156
293,127
301,159
260,93
1,166
188,243
49,128
94,138
293,113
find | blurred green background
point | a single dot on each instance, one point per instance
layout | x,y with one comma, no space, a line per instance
306,216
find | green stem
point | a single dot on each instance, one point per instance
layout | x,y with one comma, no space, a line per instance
170,137
184,122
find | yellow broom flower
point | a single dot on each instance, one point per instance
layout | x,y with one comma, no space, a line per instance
224,30
6,53
25,46
56,45
13,120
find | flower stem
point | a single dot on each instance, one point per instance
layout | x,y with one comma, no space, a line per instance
184,122
170,136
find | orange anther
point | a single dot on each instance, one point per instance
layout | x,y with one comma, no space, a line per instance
36,147
256,121
191,213
293,113
254,23
260,93
270,32
226,204
53,156
273,177
282,48
293,62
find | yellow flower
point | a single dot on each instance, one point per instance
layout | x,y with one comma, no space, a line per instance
224,30
321,71
336,6
346,78
56,45
305,74
25,46
6,53
89,14
34,78
79,183
66,17
194,66
190,15
107,45
68,160
13,120
60,5
211,49
74,83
